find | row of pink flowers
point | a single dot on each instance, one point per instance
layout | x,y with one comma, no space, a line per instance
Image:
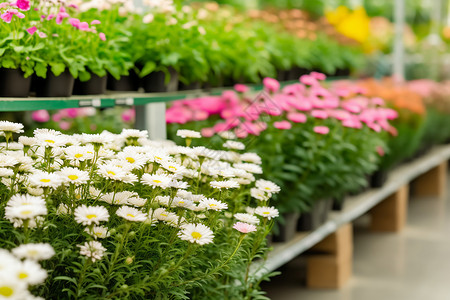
294,103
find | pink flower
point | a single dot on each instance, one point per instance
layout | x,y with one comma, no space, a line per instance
240,132
380,151
32,30
64,125
352,123
57,117
83,26
71,112
241,88
319,114
95,22
271,85
4,4
102,36
309,80
50,17
244,227
74,22
207,132
293,89
23,4
7,16
377,101
297,117
282,125
60,17
42,35
40,116
321,129
128,115
318,76
375,127
73,6
200,115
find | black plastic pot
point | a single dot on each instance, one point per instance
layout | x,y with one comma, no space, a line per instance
338,204
94,86
54,86
130,83
317,216
155,82
13,83
378,178
187,87
296,72
288,229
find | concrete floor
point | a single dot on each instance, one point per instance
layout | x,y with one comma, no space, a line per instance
411,265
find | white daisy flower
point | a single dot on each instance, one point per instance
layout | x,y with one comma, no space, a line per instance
8,262
5,172
234,145
79,153
115,198
35,191
212,204
226,184
162,181
35,252
251,157
163,215
134,134
267,186
185,133
25,199
27,141
106,153
121,163
247,218
163,200
12,288
136,160
100,139
136,201
196,233
88,215
93,250
172,167
260,194
109,171
176,184
251,168
73,175
204,152
7,126
228,135
8,161
244,227
94,192
131,214
44,179
30,272
267,212
46,131
25,212
50,140
98,232
62,209
181,202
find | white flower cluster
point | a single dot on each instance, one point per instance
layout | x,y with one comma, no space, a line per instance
104,179
20,270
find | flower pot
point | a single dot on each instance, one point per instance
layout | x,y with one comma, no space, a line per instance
318,215
288,229
94,86
155,82
338,204
55,86
130,83
296,72
13,84
378,178
191,86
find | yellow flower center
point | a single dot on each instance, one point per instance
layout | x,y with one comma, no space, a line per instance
78,196
78,155
33,252
111,173
267,188
26,212
91,216
6,291
130,160
90,152
23,275
157,181
181,202
98,234
157,157
172,168
266,213
213,205
50,141
164,215
73,177
45,180
196,235
131,216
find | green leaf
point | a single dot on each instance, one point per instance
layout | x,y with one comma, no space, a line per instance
41,69
57,68
149,67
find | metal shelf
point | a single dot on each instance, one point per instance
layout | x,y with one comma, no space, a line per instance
354,207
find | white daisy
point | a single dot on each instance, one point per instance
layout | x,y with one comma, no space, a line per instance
260,194
27,141
176,184
228,135
4,172
88,215
163,215
46,131
172,167
79,153
98,232
62,209
109,171
99,139
35,252
93,250
244,227
251,158
7,126
35,191
247,218
8,262
234,145
131,214
50,140
267,186
8,161
185,133
226,184
73,175
134,134
212,204
25,199
267,212
137,201
12,288
163,200
181,202
196,233
94,192
162,181
44,179
30,272
251,168
25,212
136,160
114,198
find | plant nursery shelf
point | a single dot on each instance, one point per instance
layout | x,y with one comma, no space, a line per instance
354,207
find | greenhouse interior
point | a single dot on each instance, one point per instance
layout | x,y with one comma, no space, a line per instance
224,150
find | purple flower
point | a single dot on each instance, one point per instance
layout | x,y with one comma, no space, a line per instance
74,22
23,4
32,30
60,17
84,26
